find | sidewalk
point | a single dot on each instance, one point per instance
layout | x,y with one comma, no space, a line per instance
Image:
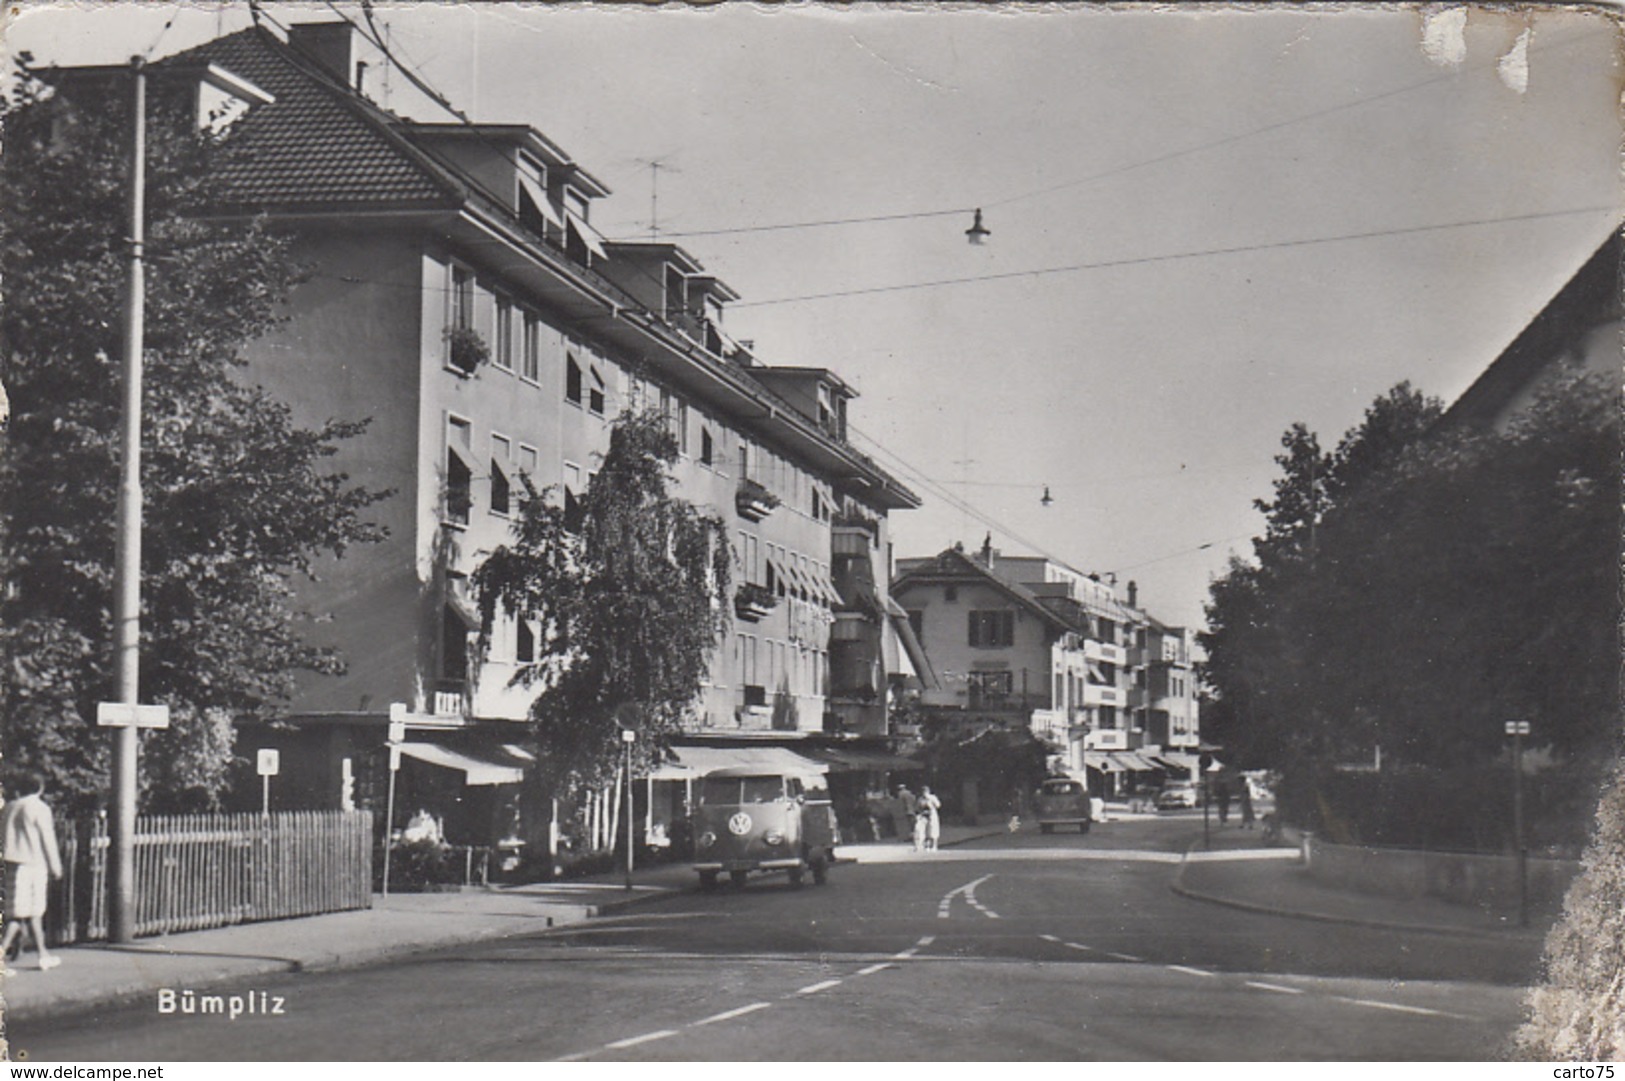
1239,872
227,959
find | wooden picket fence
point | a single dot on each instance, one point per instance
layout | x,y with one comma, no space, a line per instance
210,870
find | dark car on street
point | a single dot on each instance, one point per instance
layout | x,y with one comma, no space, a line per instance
1062,801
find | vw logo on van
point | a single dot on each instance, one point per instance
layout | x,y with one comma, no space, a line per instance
739,824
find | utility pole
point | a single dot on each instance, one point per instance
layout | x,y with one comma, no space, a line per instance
127,569
1517,730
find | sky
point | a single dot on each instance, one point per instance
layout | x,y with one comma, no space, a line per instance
1206,224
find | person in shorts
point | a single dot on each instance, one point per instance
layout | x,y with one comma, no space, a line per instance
28,845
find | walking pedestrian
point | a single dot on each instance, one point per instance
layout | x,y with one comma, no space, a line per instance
911,815
930,813
1224,801
28,838
1246,804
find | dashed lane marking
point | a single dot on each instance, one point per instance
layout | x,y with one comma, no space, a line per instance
1379,1005
1277,988
872,969
1193,971
914,949
633,1041
1078,946
813,989
1049,938
729,1015
1124,956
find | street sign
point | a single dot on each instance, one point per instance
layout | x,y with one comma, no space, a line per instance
128,715
270,762
1517,728
394,759
628,736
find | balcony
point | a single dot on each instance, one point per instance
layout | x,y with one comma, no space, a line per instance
850,541
753,501
1005,703
1096,695
753,603
851,627
1104,652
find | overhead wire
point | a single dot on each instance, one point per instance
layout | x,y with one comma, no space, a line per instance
1201,253
1119,170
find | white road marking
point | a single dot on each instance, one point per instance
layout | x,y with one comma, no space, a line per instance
1275,987
872,969
914,949
1377,1005
1124,956
969,890
1079,946
813,989
1193,971
1049,938
729,1015
633,1041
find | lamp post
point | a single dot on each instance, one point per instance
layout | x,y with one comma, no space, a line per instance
628,737
1517,730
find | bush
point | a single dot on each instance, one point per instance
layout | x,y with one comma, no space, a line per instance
1467,808
1578,1013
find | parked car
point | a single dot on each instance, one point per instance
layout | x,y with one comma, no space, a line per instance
748,821
1178,794
1063,801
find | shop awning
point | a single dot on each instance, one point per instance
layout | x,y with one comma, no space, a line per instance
1177,760
476,770
1135,763
1101,761
695,762
852,760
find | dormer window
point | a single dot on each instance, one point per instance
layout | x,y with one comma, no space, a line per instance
535,208
224,98
676,294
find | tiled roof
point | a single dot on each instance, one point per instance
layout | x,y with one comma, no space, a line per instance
318,145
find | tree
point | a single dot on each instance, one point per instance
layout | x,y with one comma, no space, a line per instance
1453,580
631,594
238,501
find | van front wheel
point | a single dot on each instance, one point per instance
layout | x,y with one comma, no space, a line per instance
739,878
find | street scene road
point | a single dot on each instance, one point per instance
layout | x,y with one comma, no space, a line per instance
1020,946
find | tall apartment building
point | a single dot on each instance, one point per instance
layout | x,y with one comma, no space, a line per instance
1028,642
422,236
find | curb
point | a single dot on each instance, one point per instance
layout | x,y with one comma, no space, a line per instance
1178,887
324,961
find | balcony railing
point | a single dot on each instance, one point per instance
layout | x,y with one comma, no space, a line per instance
993,700
754,602
1104,652
1096,695
449,697
753,501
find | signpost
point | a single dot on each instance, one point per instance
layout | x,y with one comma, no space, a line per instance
269,764
397,736
628,737
1517,730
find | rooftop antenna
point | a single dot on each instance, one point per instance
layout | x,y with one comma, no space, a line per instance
655,165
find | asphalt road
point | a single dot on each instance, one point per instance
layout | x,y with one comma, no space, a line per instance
996,950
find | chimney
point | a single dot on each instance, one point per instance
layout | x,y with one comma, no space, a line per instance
330,44
987,550
1133,594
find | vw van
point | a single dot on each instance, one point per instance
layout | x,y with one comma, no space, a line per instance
746,820
1062,801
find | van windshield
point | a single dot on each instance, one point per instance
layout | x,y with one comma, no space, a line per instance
731,790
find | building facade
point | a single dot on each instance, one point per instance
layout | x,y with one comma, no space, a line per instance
1028,642
461,299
